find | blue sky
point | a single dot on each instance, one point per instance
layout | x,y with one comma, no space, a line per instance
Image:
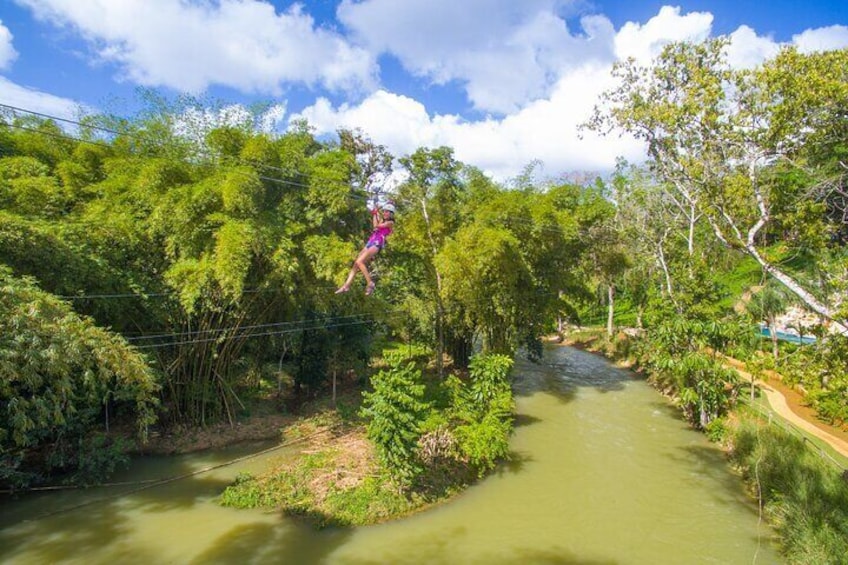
503,82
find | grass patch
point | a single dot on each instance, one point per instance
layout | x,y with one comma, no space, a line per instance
745,274
389,459
805,497
337,485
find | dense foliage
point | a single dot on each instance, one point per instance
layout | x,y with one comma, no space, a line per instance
62,380
395,410
212,249
430,437
466,425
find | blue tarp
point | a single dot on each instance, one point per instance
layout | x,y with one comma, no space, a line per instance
766,332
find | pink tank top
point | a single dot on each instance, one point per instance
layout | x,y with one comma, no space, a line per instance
382,232
379,235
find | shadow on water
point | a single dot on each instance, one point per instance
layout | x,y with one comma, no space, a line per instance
440,547
270,543
712,464
544,557
670,410
85,520
522,420
514,464
563,370
104,523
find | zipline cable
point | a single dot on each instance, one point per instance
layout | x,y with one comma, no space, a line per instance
163,335
141,138
261,334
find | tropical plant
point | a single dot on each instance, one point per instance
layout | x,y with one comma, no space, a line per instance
64,385
396,410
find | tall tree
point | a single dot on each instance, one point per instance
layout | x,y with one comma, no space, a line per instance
712,133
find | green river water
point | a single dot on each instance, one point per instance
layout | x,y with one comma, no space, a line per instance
604,471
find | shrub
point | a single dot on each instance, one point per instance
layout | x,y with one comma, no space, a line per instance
61,377
483,411
396,411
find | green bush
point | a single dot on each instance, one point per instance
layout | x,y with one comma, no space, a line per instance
396,410
677,356
820,368
483,410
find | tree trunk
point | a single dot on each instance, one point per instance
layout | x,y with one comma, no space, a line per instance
440,330
610,308
560,323
790,283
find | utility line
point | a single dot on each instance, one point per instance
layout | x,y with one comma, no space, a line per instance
261,334
243,328
154,483
58,135
321,322
140,138
142,294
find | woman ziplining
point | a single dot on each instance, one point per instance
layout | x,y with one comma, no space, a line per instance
382,221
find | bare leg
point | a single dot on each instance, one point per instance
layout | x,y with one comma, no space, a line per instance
360,264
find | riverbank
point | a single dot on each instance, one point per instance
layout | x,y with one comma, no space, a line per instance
267,421
787,402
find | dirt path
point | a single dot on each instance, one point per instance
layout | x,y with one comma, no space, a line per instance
787,404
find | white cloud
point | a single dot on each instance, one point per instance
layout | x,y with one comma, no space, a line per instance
573,70
196,123
505,53
822,39
644,42
7,51
747,49
22,97
189,45
545,130
519,60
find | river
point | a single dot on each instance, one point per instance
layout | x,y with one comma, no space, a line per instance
603,471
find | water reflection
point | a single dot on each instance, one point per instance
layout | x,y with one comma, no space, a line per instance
563,370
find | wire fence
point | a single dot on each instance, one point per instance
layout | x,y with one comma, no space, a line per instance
772,418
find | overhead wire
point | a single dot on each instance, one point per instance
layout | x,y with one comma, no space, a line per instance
144,294
138,137
302,324
163,335
505,221
316,326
